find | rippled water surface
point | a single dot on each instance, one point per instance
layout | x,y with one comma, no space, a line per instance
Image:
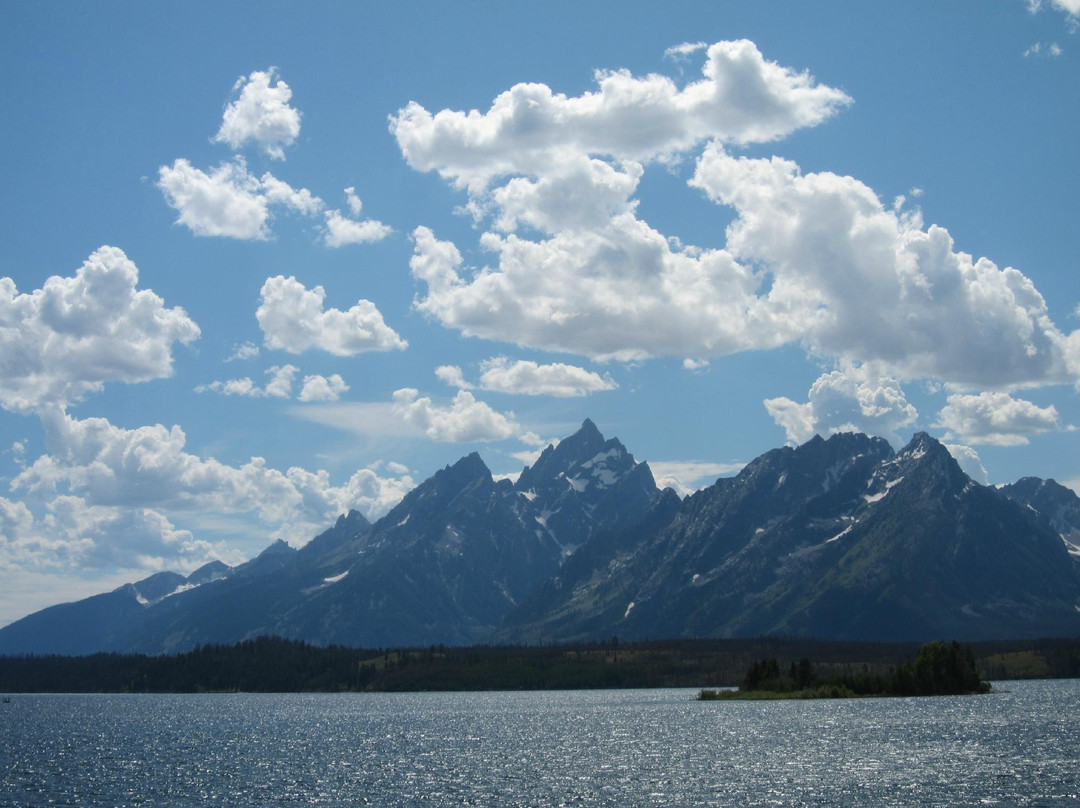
617,748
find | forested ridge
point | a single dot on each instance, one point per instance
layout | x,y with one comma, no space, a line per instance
269,664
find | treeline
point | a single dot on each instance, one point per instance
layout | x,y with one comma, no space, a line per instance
276,665
937,670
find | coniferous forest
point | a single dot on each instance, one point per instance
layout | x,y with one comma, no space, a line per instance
274,665
937,670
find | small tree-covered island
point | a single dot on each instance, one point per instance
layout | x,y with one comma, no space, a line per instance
938,670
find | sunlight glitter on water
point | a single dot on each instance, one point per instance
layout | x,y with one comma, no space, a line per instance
594,748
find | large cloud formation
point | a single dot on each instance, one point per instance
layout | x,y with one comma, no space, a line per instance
68,338
106,496
862,283
815,259
109,466
996,419
850,400
742,98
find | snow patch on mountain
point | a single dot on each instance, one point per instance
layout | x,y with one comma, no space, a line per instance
576,483
183,588
841,534
870,499
601,458
605,478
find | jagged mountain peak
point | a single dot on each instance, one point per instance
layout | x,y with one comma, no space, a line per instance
353,520
559,458
158,586
209,572
813,467
467,471
436,492
1034,486
923,444
471,466
348,528
1054,501
279,547
585,481
850,442
585,453
273,558
934,461
588,428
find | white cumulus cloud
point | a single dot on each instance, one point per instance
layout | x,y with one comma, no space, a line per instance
614,292
465,420
293,319
861,283
341,231
148,468
279,385
68,338
524,377
261,114
246,350
323,388
229,201
995,418
850,400
1070,7
741,98
72,534
814,259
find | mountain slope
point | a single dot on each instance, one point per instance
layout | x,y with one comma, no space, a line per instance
585,484
446,565
838,538
1057,503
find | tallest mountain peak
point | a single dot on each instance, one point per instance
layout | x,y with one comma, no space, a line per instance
589,428
557,458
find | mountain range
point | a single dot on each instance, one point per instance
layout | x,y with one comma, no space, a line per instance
839,538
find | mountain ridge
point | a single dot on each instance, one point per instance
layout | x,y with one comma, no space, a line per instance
839,538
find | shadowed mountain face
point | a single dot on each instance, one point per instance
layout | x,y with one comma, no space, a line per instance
446,565
839,538
1057,503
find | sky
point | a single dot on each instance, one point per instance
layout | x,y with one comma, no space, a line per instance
263,263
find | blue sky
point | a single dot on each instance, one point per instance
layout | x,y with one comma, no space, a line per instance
266,262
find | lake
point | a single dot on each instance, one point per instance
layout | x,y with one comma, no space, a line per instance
580,748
